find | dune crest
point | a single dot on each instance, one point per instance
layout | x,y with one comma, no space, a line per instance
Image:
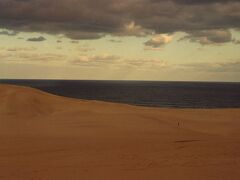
25,101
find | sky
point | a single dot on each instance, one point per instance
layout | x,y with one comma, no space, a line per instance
163,40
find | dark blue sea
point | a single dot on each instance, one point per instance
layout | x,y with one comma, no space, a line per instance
144,93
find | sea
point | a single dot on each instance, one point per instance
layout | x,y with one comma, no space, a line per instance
143,93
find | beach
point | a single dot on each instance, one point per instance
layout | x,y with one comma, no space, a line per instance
44,136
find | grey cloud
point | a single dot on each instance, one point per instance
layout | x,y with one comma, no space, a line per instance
91,19
207,37
167,16
36,39
74,42
154,44
84,35
8,33
204,1
236,41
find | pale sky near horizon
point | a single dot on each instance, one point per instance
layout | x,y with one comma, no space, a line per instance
174,40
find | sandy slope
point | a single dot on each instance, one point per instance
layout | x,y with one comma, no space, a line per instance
43,136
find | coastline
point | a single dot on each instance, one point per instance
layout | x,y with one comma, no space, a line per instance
143,93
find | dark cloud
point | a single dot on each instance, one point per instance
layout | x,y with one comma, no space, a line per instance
91,19
36,39
203,1
78,35
206,37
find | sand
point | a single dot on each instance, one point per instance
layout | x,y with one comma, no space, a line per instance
43,137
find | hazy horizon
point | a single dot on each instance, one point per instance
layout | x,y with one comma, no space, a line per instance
136,80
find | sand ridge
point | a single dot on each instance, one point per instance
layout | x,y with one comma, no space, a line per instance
44,136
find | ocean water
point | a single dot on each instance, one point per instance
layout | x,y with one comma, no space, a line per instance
144,93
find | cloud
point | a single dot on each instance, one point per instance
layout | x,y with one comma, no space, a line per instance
4,55
115,41
90,19
74,42
36,39
232,66
158,40
40,57
78,35
8,33
204,1
29,55
94,59
17,49
146,63
147,48
132,29
236,41
85,49
106,60
209,37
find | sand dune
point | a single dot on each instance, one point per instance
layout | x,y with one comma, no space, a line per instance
44,136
